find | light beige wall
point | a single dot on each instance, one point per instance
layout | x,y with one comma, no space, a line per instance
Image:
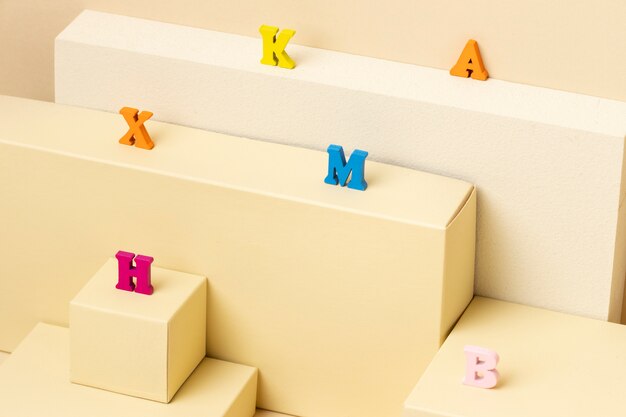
572,45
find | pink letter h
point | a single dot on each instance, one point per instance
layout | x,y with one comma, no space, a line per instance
126,272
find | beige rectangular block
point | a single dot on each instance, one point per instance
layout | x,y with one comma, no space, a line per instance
551,365
548,164
136,344
339,297
34,381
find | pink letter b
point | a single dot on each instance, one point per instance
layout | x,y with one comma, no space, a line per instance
480,368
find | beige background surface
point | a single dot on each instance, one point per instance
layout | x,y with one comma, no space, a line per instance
575,46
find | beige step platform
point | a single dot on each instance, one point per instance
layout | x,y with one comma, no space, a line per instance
34,381
551,365
339,297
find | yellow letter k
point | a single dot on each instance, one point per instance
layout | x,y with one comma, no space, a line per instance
274,47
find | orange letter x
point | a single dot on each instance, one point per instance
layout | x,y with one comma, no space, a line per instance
137,134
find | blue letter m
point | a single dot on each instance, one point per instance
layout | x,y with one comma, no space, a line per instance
339,171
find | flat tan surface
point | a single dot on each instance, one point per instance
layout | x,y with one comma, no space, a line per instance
35,382
3,356
551,365
573,46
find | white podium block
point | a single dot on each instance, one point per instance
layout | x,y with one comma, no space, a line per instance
34,381
551,228
135,344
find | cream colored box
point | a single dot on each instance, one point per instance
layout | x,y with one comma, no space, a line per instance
136,344
34,382
551,365
339,297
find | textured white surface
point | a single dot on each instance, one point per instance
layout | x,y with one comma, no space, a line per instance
547,164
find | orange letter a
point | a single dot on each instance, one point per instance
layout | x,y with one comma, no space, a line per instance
470,63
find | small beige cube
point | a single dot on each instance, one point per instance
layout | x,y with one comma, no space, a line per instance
136,344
